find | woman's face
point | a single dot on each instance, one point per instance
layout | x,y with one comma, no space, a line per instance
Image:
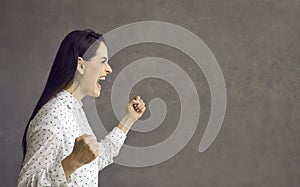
95,68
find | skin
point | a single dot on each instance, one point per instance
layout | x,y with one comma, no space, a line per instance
86,148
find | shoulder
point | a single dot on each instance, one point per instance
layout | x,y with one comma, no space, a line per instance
51,116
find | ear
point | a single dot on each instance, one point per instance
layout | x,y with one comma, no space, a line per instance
80,65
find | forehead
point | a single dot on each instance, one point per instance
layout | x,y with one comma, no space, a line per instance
102,50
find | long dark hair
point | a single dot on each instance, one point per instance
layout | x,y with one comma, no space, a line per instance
78,43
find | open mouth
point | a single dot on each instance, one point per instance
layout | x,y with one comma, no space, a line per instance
98,84
102,78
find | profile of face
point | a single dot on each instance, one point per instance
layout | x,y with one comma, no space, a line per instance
92,70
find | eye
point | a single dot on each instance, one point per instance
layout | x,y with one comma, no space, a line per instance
104,60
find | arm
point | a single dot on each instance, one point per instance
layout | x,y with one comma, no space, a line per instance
126,123
42,166
135,109
109,147
112,143
45,163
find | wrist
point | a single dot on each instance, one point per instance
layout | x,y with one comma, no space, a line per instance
70,164
126,122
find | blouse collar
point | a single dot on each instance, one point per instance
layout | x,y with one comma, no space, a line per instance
69,99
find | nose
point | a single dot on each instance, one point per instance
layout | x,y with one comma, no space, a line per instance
108,69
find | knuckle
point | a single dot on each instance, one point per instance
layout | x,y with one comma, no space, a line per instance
89,136
85,141
95,154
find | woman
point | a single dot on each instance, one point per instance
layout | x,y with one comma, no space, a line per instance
59,146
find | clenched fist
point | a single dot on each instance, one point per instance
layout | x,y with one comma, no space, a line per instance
136,107
85,149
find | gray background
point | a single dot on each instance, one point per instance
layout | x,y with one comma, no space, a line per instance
256,43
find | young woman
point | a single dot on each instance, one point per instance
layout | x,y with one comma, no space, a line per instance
59,145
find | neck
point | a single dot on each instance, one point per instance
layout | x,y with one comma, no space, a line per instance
76,92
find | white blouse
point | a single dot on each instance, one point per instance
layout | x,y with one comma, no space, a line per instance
51,137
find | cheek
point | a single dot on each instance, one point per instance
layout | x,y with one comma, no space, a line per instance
91,74
96,69
101,69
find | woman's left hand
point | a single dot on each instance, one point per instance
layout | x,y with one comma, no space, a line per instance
136,107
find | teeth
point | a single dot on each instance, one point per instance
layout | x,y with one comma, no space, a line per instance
102,78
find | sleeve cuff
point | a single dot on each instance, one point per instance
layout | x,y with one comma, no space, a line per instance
61,170
117,135
58,175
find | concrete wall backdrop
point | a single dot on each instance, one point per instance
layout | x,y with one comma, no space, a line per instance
256,43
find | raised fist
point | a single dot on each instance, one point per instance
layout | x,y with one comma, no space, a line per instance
85,149
136,107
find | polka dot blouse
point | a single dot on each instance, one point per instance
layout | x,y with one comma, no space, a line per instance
50,138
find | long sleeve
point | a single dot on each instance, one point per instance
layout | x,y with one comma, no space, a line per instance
42,164
50,138
110,146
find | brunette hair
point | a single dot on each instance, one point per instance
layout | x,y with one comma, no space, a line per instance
78,43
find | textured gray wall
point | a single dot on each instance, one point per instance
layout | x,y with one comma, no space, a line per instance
256,43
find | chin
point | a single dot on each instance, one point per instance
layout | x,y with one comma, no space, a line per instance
97,93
